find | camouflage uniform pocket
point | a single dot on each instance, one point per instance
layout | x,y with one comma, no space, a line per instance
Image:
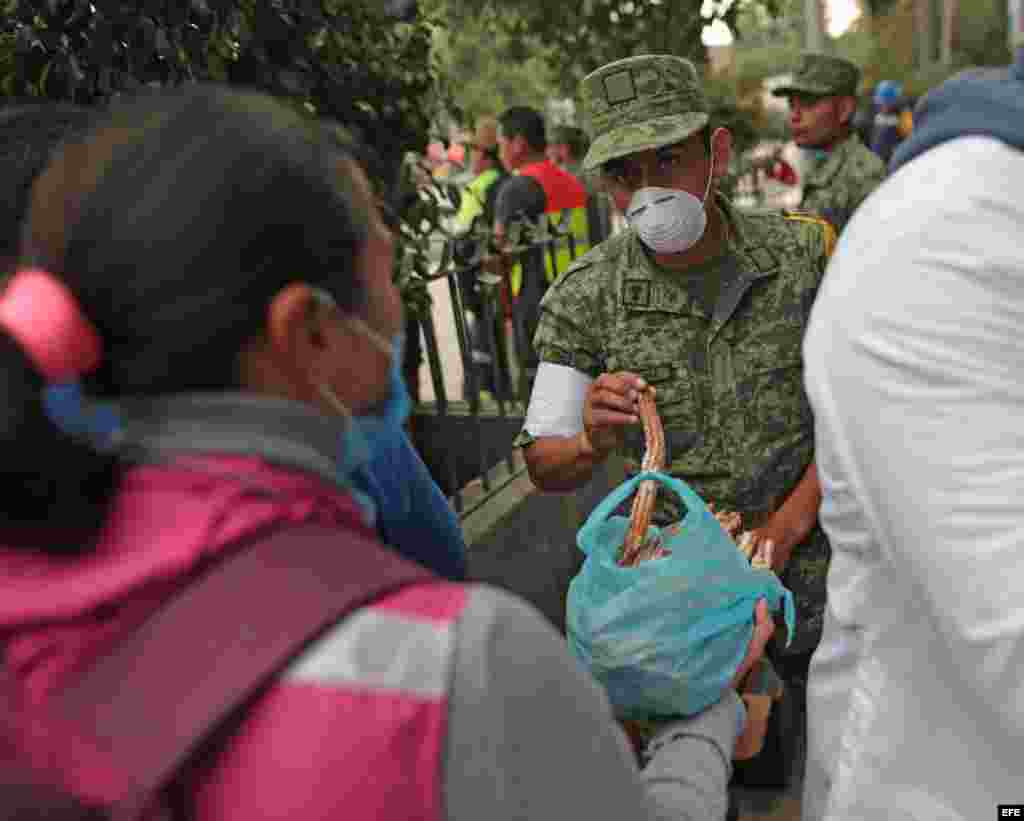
770,390
679,405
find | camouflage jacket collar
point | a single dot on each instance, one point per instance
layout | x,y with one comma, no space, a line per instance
751,259
747,258
746,242
749,243
822,174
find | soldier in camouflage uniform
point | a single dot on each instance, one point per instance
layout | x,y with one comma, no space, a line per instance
823,100
716,328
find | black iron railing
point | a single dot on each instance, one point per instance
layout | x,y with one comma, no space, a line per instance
467,442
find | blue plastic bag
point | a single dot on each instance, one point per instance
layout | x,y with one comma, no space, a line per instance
665,637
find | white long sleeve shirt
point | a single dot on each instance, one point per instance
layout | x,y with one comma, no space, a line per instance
915,370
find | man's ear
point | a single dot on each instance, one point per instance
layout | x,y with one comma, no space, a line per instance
721,151
293,319
846,108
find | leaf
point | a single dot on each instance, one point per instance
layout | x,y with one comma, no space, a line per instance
340,58
43,78
162,43
292,82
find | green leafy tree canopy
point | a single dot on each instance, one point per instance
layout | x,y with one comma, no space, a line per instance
365,63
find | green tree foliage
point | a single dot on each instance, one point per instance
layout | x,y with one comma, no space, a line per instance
526,51
365,63
470,49
877,8
983,34
574,37
882,43
885,49
779,23
345,59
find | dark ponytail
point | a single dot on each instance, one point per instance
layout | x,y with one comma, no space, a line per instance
30,443
47,477
173,223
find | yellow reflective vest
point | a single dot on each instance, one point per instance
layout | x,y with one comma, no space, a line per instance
562,193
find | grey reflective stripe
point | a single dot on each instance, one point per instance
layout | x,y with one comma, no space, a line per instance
380,650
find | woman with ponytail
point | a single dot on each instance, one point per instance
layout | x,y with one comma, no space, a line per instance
212,268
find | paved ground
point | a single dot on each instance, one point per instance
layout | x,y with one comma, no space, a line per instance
772,805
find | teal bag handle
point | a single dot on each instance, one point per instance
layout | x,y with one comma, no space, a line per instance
587,534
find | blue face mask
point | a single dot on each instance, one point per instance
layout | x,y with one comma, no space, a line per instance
367,433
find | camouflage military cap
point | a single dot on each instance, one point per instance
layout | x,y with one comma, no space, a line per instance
822,75
640,103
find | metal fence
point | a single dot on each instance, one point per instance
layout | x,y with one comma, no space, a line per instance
467,440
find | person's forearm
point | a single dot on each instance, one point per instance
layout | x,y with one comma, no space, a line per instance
690,764
559,464
800,510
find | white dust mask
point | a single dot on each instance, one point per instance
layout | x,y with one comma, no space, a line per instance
667,220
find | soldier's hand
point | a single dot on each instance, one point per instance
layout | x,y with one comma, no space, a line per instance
609,407
775,540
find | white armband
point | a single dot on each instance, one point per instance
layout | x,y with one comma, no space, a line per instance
556,404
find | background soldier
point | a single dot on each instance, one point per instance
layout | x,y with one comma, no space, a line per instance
843,171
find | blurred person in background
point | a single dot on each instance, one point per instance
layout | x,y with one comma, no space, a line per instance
893,120
478,196
477,211
537,189
842,171
568,147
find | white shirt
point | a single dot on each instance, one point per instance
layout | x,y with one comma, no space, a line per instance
915,370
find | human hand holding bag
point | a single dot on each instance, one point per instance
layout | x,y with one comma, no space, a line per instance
665,637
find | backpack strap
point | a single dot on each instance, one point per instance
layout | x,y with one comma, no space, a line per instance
204,655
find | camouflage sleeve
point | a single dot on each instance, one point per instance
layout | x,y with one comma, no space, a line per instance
569,329
805,573
819,238
867,174
872,178
823,243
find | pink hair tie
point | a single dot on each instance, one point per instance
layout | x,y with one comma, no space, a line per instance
43,316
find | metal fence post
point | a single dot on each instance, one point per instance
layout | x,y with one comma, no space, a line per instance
471,284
